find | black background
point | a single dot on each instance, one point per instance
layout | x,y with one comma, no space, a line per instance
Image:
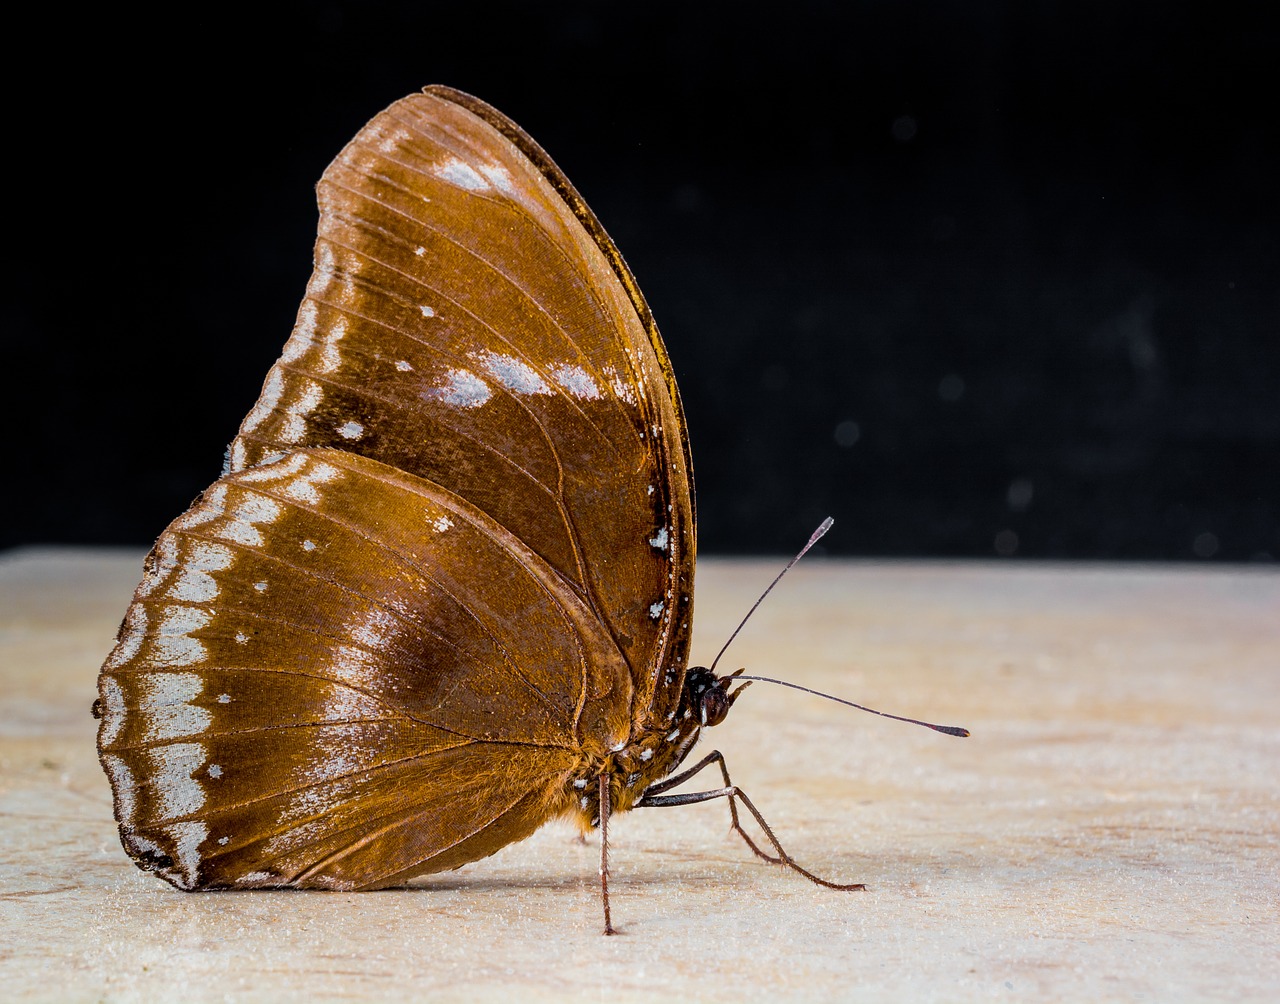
977,280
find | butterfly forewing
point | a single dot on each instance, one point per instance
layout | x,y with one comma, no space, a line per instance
449,567
466,325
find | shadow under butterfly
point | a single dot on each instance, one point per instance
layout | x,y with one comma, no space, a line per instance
443,591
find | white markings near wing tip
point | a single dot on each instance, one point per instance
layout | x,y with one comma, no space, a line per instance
462,175
576,381
461,388
351,430
514,374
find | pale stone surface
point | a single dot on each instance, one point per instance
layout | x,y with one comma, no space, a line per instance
1110,831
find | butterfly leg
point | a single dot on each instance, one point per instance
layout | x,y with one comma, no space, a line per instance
677,779
605,808
653,798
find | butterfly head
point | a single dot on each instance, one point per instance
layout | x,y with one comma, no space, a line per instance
708,696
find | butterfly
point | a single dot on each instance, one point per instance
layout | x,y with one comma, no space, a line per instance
442,592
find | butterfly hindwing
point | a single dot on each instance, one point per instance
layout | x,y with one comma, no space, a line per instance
307,672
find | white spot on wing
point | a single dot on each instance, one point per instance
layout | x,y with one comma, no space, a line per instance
249,511
215,770
260,586
662,540
194,583
303,488
576,381
266,403
441,524
209,508
461,388
304,333
455,172
173,646
655,609
175,789
135,629
351,430
187,838
123,785
113,710
308,545
427,311
403,366
497,176
514,374
166,709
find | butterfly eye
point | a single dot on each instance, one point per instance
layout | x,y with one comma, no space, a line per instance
713,706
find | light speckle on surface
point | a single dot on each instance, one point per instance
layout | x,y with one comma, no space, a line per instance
461,388
646,754
351,429
404,366
260,586
514,374
427,311
420,251
441,524
580,783
655,609
224,698
215,770
308,545
241,637
673,735
223,841
576,381
661,540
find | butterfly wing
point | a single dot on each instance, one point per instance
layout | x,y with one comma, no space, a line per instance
312,688
470,322
453,551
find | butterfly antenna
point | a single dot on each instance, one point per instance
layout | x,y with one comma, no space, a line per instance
948,730
817,536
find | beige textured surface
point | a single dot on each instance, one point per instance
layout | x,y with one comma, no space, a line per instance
1111,830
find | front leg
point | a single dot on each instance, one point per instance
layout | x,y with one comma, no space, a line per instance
653,798
715,756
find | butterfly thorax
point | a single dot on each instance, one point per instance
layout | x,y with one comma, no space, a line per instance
654,750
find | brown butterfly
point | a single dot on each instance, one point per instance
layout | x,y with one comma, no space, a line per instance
442,592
